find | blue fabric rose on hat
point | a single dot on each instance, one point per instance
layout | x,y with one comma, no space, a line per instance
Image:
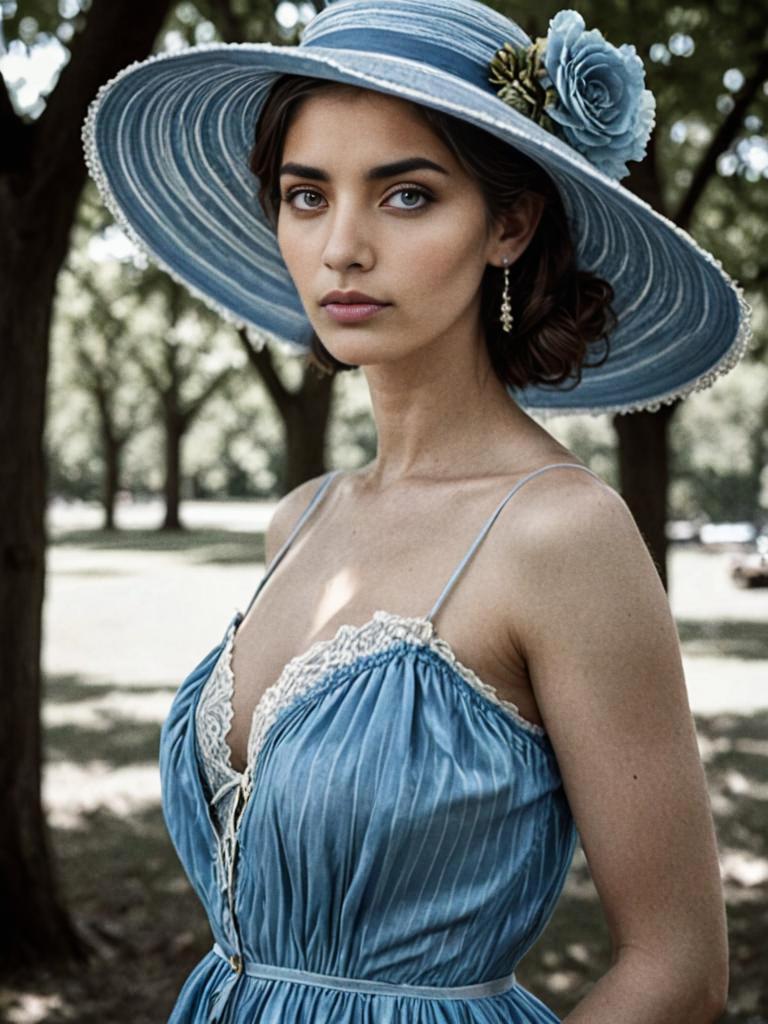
582,88
603,107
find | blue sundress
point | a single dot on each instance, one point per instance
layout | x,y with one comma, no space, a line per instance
396,844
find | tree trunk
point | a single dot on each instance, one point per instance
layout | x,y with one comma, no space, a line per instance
33,923
41,177
174,433
643,437
113,449
644,475
306,427
305,413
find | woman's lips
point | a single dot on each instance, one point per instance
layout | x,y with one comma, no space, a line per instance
350,312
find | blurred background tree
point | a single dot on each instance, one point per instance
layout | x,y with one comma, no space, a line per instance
41,179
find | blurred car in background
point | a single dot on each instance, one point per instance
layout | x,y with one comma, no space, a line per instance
750,567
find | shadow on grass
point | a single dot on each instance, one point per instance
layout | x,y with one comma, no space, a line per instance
116,744
208,546
124,885
122,877
92,722
724,638
69,688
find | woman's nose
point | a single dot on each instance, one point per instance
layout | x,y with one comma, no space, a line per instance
347,243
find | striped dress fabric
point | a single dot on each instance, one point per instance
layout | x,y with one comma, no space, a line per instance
396,844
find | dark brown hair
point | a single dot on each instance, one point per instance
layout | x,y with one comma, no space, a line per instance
559,310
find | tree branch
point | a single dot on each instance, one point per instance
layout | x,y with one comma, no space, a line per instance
263,363
116,33
722,139
148,371
230,27
194,407
14,133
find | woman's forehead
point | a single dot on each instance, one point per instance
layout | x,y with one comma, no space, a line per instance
362,121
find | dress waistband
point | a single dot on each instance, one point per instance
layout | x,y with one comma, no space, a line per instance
272,971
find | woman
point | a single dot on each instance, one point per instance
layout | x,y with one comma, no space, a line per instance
377,804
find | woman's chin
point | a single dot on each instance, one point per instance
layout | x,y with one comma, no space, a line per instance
357,353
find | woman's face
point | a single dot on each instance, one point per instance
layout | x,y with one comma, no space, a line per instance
414,238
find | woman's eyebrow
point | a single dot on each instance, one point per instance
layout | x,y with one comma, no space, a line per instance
415,163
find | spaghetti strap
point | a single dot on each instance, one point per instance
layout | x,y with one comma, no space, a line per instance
489,523
316,497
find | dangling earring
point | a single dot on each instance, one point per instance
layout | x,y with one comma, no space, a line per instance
507,320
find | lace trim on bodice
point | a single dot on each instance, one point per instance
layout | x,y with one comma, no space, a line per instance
350,643
213,720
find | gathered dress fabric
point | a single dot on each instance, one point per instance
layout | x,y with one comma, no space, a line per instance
395,845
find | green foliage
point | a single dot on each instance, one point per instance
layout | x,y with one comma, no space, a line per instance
720,450
235,448
132,351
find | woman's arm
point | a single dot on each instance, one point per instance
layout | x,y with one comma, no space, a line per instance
604,658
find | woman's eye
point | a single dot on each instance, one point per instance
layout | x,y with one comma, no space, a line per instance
289,198
409,190
414,190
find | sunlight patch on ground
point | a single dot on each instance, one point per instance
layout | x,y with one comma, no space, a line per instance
562,981
717,684
578,951
738,784
743,867
101,713
71,791
30,1008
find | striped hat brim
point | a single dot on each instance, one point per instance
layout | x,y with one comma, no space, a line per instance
167,142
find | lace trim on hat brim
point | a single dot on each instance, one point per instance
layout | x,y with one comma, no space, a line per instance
259,336
732,355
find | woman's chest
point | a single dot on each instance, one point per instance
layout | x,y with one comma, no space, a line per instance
400,749
299,617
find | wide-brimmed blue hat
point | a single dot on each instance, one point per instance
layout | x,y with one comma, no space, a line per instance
168,141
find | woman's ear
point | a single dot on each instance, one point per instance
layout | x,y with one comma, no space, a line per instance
514,229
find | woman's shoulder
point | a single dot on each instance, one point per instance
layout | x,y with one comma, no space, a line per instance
575,545
581,598
578,508
567,528
564,509
286,514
